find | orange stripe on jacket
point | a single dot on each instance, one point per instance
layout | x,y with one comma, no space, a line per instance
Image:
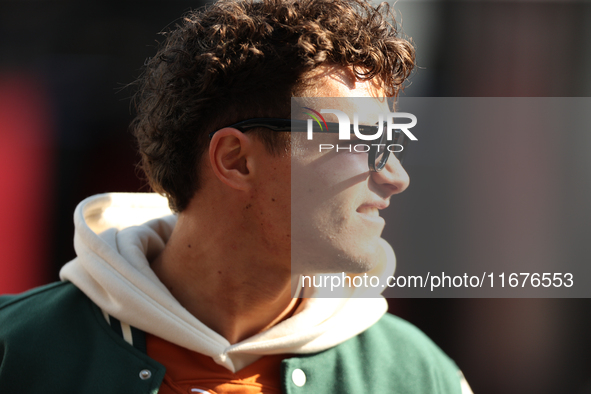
187,370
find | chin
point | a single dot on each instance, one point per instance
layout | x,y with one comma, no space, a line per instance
360,263
355,260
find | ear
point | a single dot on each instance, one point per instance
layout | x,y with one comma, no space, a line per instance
230,156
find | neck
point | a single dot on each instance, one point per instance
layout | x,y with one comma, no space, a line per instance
232,281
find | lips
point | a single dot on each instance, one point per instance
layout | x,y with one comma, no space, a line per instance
368,210
372,208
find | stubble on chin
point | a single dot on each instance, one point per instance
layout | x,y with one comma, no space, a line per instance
338,261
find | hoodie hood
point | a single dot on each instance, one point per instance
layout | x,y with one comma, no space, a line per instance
118,234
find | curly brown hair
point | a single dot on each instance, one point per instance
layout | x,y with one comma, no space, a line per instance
245,59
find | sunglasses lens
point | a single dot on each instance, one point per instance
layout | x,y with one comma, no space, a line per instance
382,153
383,147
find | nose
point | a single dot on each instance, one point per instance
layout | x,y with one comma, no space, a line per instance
392,179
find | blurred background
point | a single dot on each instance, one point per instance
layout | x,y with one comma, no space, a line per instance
64,115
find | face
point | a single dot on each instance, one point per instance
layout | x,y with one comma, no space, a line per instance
335,199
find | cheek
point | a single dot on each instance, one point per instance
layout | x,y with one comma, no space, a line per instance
340,166
327,160
327,188
329,168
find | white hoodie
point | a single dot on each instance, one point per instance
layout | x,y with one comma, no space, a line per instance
116,237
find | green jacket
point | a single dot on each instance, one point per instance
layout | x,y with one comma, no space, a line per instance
55,340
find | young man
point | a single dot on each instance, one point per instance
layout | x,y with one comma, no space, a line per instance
201,301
